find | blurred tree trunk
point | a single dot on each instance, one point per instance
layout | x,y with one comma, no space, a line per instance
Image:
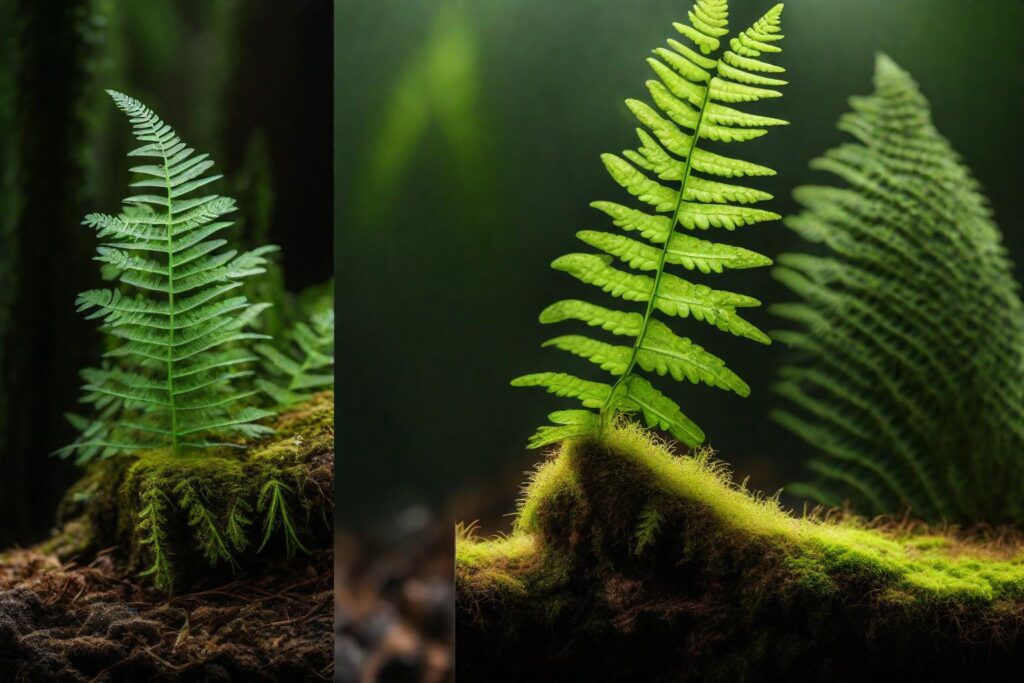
42,342
282,90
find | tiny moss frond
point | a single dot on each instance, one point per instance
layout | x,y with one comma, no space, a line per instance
179,338
238,522
651,519
694,93
908,366
207,531
274,506
152,526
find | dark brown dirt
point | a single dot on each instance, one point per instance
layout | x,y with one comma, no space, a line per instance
76,623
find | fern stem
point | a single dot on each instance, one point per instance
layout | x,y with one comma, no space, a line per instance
607,415
170,303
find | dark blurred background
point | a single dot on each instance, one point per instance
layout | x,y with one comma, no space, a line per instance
248,81
467,143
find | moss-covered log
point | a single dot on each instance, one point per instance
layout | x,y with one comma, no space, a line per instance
203,516
630,563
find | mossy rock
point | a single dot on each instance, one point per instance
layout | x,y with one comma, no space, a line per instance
191,519
628,562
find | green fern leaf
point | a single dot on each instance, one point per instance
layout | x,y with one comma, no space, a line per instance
293,374
910,379
568,424
180,342
273,503
691,111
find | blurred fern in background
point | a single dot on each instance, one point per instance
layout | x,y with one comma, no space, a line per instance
910,330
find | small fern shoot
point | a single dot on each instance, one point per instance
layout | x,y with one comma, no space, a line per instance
307,367
153,529
180,337
648,527
274,506
204,523
908,370
670,172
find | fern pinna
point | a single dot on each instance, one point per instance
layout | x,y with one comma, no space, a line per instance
910,328
170,379
693,95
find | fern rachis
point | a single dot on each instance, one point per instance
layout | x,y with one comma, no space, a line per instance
694,93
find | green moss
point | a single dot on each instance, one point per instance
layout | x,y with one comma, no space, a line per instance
573,551
926,567
176,517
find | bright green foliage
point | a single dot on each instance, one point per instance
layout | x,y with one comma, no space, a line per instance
180,337
307,368
693,94
911,330
274,506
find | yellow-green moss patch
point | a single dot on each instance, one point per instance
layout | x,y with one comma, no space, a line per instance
625,536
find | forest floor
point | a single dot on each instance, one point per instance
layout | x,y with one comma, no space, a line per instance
629,562
395,615
69,622
79,607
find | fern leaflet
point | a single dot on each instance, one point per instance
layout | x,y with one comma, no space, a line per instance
154,511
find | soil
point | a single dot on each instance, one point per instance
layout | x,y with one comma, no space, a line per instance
92,622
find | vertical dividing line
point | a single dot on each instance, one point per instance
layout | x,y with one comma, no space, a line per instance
606,413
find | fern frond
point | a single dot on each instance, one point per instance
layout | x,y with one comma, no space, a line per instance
910,380
293,374
180,338
691,109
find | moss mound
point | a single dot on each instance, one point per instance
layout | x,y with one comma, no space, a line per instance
628,562
189,520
